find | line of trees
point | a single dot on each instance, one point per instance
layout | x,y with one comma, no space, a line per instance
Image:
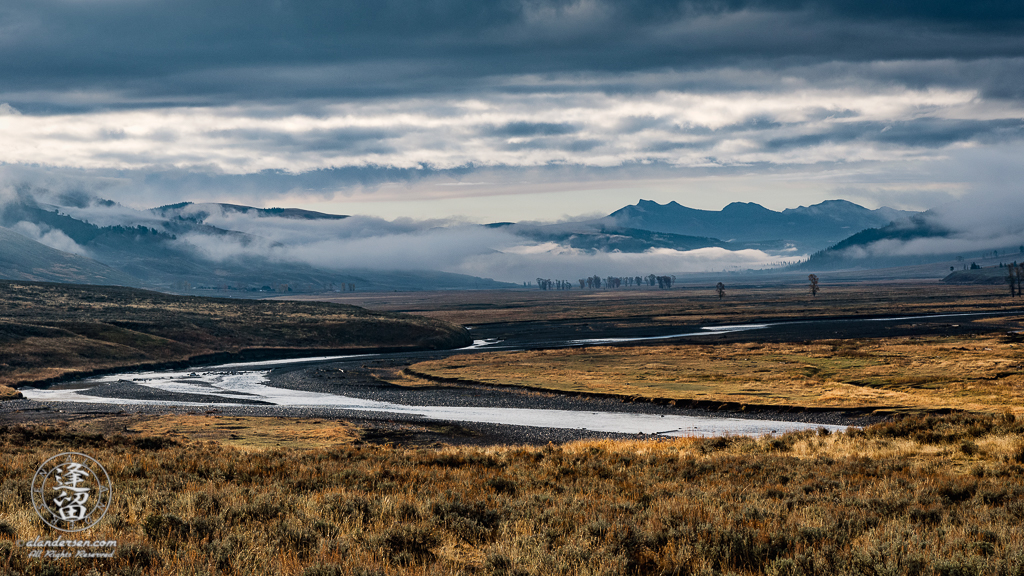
596,282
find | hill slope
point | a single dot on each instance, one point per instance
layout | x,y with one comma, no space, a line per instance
115,327
175,248
22,258
922,239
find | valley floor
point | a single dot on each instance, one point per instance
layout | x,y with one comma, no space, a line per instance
229,493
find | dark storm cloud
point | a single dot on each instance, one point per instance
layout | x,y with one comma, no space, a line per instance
201,51
634,124
938,133
521,129
271,183
925,133
269,98
346,139
669,146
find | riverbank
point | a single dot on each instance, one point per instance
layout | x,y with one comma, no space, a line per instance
355,391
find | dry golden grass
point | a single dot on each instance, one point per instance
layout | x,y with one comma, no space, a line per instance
8,393
978,374
919,496
244,432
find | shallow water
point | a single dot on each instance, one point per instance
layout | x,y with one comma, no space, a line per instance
232,386
708,331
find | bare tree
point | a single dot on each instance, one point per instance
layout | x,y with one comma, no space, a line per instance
814,284
1011,278
720,289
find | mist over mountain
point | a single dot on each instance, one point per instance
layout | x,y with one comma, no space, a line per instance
921,240
960,233
199,213
243,250
235,248
187,247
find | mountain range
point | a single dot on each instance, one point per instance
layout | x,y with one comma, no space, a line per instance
162,249
752,225
923,238
233,249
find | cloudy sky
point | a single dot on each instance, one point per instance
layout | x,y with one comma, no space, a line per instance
513,109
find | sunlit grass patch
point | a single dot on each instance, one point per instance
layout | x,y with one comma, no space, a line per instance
973,373
245,432
8,393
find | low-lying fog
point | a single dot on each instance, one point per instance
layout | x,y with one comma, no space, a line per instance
976,223
374,243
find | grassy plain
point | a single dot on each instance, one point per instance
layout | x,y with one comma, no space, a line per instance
918,496
684,304
52,330
901,375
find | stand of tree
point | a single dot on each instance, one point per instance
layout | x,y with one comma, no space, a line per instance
596,282
548,284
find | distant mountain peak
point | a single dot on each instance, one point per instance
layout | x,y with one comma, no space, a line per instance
745,208
809,228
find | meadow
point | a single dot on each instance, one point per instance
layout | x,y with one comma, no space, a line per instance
921,495
975,373
937,372
683,304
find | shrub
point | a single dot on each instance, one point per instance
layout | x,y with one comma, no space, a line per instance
165,528
405,544
137,555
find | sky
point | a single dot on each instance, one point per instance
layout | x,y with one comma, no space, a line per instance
513,109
